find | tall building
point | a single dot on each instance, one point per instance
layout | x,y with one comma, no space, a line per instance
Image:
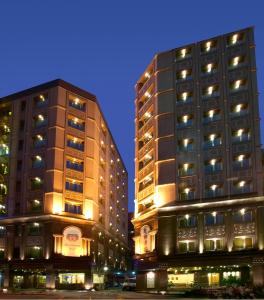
198,169
63,186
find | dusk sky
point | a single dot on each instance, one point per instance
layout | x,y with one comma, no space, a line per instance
103,47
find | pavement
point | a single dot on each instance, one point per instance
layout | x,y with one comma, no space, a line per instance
60,294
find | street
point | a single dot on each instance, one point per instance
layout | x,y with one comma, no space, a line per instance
62,294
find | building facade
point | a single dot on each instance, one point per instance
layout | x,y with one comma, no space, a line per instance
63,199
199,180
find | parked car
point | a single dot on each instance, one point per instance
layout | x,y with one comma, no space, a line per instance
129,284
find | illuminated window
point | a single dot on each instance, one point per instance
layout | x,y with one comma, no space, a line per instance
4,149
238,85
214,190
75,143
185,97
241,243
3,189
241,135
73,185
241,161
3,169
35,229
186,145
73,208
146,138
76,123
212,140
214,218
239,110
209,68
186,193
184,74
147,116
243,216
75,102
34,252
208,46
236,61
235,38
187,246
36,205
241,187
146,182
214,244
211,116
184,121
37,162
41,100
2,230
183,53
39,141
186,169
210,91
187,221
36,183
74,164
213,165
40,121
145,161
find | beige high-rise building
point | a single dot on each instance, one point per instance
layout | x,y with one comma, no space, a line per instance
199,178
63,190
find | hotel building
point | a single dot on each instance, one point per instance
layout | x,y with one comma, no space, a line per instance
199,214
63,190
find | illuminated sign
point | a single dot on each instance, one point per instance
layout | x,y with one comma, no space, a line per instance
72,241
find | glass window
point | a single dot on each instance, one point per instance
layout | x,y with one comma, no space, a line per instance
40,121
211,116
186,194
41,100
241,135
213,166
186,145
37,162
214,218
186,169
39,141
73,208
208,46
183,53
77,103
36,183
187,246
212,140
74,186
184,121
74,164
185,97
75,143
184,75
34,252
35,229
243,216
213,190
241,243
214,244
187,221
76,123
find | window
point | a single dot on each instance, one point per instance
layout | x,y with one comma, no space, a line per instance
211,116
186,169
74,164
213,166
23,105
184,121
144,99
210,92
34,252
148,180
2,253
73,208
185,97
208,46
213,190
214,244
76,123
22,125
2,230
20,145
187,246
36,183
186,145
3,189
242,243
214,218
41,100
243,216
40,121
73,185
77,103
210,68
183,53
212,140
184,75
145,161
39,141
236,62
240,135
35,229
36,205
235,39
238,85
239,110
241,161
146,138
147,116
187,221
242,187
4,149
37,162
75,143
3,168
186,194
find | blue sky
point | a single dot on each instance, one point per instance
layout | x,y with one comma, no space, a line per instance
103,46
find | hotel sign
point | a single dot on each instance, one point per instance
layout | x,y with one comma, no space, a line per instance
72,241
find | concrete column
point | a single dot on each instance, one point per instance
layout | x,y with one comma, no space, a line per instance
7,279
200,233
161,280
50,280
229,229
258,274
88,280
259,220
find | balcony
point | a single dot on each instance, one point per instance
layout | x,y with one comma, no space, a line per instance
214,118
212,143
77,104
74,165
145,192
75,187
75,145
76,125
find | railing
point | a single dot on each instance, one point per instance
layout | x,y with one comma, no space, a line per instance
145,192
